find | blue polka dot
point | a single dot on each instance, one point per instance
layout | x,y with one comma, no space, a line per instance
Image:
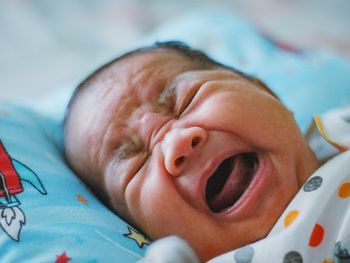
293,257
340,252
313,184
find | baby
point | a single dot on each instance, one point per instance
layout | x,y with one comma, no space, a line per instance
178,144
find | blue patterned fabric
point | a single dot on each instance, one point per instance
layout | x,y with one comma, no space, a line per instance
48,215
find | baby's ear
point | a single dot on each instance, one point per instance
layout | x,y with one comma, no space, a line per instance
261,84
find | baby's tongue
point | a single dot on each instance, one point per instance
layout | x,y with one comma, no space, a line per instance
234,187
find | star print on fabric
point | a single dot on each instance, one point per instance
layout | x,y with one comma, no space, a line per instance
138,237
82,199
63,258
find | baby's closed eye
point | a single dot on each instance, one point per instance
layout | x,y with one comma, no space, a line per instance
175,100
130,147
186,99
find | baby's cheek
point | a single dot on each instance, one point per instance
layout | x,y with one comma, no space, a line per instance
146,198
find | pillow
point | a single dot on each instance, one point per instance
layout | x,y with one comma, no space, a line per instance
46,213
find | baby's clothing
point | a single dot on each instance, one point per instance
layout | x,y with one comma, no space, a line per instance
315,227
170,249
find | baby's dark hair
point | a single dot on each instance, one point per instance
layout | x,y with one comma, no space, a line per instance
180,47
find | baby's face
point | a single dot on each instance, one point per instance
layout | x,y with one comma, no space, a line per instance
203,154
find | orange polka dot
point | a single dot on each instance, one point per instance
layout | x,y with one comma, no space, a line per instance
344,190
316,236
290,217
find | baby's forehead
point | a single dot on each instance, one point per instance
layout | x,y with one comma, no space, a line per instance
143,73
133,80
159,57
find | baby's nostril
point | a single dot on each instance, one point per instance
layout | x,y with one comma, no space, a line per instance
195,141
179,161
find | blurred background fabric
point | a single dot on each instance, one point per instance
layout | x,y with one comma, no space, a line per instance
46,45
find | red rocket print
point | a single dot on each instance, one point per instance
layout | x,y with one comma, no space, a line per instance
8,175
12,174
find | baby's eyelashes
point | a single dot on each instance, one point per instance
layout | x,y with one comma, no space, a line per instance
133,149
130,147
186,99
172,103
185,103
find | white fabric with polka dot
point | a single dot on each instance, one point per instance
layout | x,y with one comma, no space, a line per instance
315,225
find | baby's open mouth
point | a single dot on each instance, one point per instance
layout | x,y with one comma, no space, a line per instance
230,180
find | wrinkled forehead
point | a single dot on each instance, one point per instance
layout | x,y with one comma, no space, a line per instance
134,80
133,74
116,91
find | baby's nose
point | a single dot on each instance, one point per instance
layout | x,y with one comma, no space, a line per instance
180,145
